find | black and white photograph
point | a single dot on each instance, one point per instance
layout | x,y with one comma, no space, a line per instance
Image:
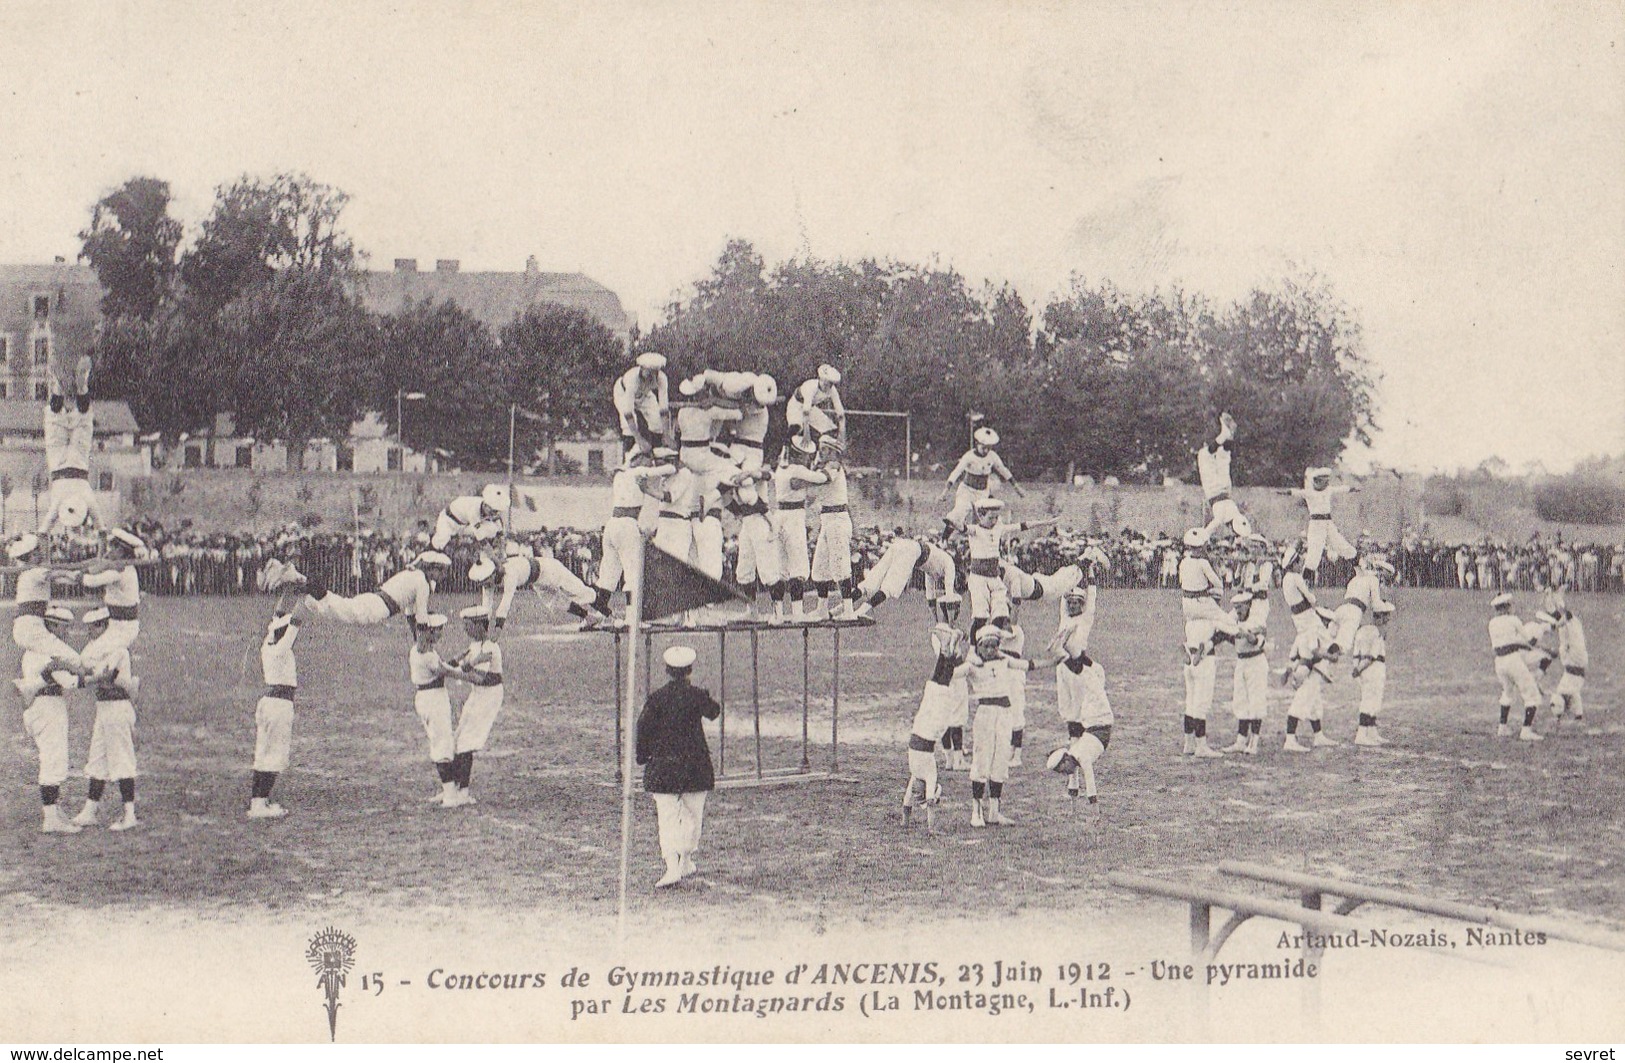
982,522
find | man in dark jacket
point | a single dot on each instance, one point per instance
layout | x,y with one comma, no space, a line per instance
677,772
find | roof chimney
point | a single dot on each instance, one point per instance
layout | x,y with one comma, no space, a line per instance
530,265
406,265
446,265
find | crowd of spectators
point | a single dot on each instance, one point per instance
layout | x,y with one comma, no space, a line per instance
194,562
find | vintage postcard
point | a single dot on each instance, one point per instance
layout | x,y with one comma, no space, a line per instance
870,522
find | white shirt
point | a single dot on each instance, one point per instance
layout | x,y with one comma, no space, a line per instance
1571,643
34,585
276,653
680,496
627,489
465,510
119,586
409,589
1365,589
1197,577
1319,500
832,493
34,665
984,542
490,650
790,483
974,469
1506,630
631,398
1369,644
1072,635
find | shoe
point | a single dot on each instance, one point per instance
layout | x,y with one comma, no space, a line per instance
58,824
1294,746
1503,731
1363,737
1529,734
688,867
672,876
995,818
862,612
1015,757
1238,746
1072,792
1206,752
1252,746
1324,739
129,822
86,817
460,799
268,811
1376,739
976,818
1190,746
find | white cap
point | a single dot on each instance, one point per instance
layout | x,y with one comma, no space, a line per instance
434,621
495,496
1193,537
1240,597
766,391
832,442
474,612
665,454
60,614
1056,758
990,504
486,530
679,657
985,436
129,539
1501,599
651,360
22,546
432,557
1080,593
1383,608
482,570
96,615
829,374
691,386
801,445
1379,563
988,633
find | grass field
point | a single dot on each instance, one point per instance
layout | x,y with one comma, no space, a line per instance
1448,808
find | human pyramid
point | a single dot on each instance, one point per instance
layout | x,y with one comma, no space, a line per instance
690,463
987,670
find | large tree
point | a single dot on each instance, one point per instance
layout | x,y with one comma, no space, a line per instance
131,243
261,227
450,357
558,364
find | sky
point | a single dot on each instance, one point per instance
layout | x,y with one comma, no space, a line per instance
1455,171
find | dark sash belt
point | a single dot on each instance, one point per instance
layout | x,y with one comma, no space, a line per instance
1248,656
1301,607
71,474
920,745
285,693
112,694
627,511
985,566
1320,516
485,679
389,603
1000,700
834,509
31,609
1222,496
49,690
1508,651
122,612
792,505
437,683
976,481
1574,670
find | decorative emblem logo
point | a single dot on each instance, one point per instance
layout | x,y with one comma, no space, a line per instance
331,954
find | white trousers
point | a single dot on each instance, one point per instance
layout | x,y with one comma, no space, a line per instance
621,537
758,558
964,499
112,742
434,712
1372,682
990,735
1324,538
790,540
680,818
273,734
1249,692
479,713
369,608
708,546
46,722
1515,679
1199,681
832,557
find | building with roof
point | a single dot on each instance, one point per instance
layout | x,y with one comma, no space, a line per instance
45,310
496,298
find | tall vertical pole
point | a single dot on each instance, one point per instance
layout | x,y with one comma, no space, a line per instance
806,684
507,518
835,704
908,446
615,701
634,620
722,701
